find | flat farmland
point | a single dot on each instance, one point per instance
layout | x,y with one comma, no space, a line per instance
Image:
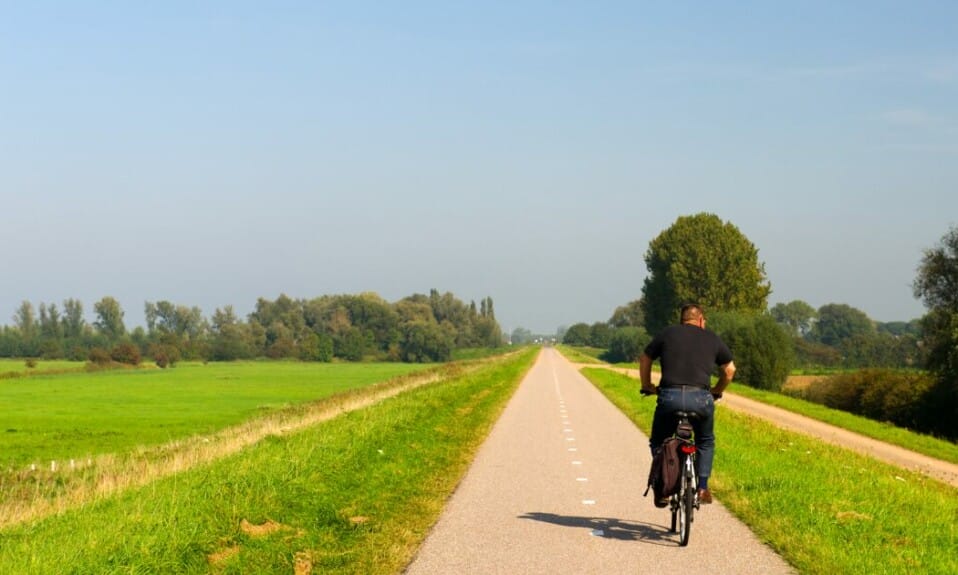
77,414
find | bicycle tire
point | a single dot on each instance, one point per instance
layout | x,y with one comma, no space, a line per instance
686,509
673,503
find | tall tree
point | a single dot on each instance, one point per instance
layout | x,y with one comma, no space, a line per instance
704,260
109,318
937,286
26,321
73,321
50,323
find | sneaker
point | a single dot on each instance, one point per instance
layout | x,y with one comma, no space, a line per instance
705,496
661,502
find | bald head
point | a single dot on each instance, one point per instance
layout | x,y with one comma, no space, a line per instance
691,313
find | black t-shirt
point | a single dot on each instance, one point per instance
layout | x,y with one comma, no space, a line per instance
688,355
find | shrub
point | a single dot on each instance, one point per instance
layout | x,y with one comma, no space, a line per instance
99,356
126,353
904,398
165,355
31,363
761,348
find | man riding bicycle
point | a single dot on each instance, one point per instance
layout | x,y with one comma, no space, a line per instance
688,354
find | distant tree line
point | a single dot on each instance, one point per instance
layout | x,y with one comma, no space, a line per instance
841,336
418,328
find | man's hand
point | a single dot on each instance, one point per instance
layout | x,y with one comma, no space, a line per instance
645,376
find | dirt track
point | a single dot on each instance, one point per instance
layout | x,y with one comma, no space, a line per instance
936,468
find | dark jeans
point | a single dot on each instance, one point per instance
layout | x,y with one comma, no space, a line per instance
695,400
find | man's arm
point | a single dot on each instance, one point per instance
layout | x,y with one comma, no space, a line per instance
645,373
726,373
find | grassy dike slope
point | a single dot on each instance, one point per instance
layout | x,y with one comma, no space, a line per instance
356,494
824,509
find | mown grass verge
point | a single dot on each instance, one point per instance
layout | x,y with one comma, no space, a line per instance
823,508
356,494
581,354
887,432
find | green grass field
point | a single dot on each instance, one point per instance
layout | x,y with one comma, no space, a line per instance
825,509
77,415
355,494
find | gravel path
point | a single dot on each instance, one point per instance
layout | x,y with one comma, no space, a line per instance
557,488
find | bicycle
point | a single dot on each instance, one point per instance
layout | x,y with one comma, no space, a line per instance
684,502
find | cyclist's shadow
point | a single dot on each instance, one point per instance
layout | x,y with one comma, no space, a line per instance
609,528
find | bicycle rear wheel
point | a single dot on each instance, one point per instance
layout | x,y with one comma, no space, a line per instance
674,505
686,508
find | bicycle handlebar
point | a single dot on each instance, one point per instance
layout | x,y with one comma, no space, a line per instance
642,392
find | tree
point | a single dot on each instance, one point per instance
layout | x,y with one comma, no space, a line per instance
796,314
811,354
838,322
627,344
316,347
878,349
73,322
231,338
26,321
628,315
937,286
109,320
424,342
900,328
520,335
704,260
577,334
51,332
599,335
50,324
178,325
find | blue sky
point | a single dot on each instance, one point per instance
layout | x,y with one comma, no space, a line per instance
212,153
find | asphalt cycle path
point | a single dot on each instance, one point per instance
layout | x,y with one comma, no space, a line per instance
557,488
